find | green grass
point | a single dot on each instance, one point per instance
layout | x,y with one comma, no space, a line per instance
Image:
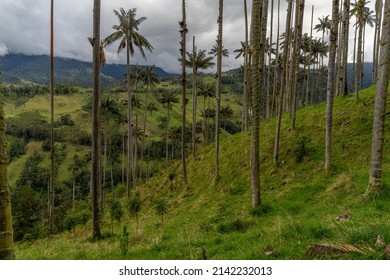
300,200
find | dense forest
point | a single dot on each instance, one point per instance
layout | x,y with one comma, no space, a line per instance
285,157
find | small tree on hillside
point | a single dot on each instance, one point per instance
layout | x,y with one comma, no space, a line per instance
116,212
134,206
161,208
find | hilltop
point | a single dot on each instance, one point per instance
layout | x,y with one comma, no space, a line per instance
300,200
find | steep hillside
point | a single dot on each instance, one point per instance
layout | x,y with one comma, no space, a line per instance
300,201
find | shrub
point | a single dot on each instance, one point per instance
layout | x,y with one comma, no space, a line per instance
299,150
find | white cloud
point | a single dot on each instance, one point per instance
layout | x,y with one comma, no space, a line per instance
24,27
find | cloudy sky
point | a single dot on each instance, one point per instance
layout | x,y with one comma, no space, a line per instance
24,27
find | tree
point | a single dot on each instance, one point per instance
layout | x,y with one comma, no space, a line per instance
116,212
214,51
161,208
51,192
95,176
167,98
151,107
183,45
330,83
134,206
378,21
207,91
74,168
295,59
283,80
128,33
218,88
380,106
257,12
197,60
149,78
6,231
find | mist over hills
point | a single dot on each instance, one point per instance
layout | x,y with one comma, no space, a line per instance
18,68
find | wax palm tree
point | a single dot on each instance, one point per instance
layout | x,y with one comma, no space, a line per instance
121,119
151,107
214,49
375,181
197,60
109,108
323,26
206,91
51,192
330,83
167,99
183,49
149,78
226,113
128,33
95,176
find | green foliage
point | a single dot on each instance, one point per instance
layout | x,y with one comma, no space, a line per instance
134,205
17,148
29,125
237,225
65,120
116,211
161,207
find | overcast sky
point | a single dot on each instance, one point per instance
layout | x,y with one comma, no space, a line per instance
24,27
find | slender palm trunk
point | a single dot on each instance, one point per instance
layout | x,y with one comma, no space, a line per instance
310,55
52,173
143,135
95,177
269,96
330,84
183,31
295,63
245,114
276,88
378,11
283,80
339,55
194,99
359,62
346,17
257,12
166,137
380,106
218,89
129,125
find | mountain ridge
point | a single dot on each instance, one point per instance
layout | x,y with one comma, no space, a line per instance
19,68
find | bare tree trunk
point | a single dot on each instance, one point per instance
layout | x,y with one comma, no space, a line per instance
283,80
359,62
194,97
52,172
245,119
330,84
378,16
269,96
183,30
380,107
95,176
339,56
295,64
344,64
309,65
129,126
218,89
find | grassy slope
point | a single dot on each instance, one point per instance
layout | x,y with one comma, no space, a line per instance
300,200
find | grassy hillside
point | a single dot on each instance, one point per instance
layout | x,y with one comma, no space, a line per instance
300,201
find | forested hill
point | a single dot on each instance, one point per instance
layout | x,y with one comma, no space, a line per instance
17,68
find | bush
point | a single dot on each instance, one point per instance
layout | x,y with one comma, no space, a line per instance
17,148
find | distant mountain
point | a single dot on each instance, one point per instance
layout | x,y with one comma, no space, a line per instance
18,68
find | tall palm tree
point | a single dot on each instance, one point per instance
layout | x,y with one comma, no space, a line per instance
330,84
218,88
6,236
95,176
183,49
197,60
167,99
121,119
128,33
151,107
378,21
324,25
380,107
51,192
207,91
109,108
283,83
214,51
345,30
295,62
149,78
